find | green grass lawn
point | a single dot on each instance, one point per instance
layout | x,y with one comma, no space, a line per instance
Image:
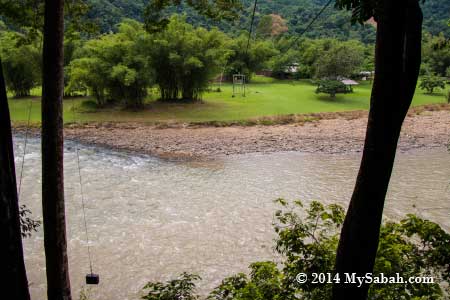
265,97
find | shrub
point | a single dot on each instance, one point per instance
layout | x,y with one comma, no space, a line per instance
182,288
432,82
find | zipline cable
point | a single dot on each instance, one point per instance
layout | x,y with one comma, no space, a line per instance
251,27
250,31
309,25
82,194
25,147
297,38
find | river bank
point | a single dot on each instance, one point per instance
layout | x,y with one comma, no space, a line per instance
324,133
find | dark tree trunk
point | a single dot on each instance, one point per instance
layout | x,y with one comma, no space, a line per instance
398,58
58,283
14,282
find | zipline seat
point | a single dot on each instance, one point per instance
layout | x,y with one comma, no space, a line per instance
92,279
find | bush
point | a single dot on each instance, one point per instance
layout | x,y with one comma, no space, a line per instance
432,82
307,240
332,87
182,288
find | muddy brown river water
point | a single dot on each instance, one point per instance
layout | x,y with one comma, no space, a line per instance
151,219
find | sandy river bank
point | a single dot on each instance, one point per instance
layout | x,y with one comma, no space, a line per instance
338,133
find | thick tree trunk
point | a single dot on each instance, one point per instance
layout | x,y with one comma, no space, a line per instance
58,283
398,58
14,282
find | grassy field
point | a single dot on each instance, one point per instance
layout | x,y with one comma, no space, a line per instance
265,97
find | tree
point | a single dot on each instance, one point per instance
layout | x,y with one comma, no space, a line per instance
271,26
341,60
114,67
53,207
436,53
184,59
309,52
248,62
397,64
15,283
264,28
21,61
332,87
432,82
156,19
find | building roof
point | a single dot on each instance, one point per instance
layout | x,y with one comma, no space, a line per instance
349,82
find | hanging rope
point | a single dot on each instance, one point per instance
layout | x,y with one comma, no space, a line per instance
82,194
84,211
309,25
25,147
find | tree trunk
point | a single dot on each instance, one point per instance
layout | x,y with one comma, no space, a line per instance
398,58
14,282
58,283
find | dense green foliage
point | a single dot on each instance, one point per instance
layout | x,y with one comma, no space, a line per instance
178,289
436,54
29,14
113,67
431,83
121,66
318,58
335,23
248,61
436,17
184,59
156,19
21,62
307,240
341,60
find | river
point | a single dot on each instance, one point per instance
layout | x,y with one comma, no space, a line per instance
151,219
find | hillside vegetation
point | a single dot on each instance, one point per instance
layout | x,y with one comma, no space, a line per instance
334,23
